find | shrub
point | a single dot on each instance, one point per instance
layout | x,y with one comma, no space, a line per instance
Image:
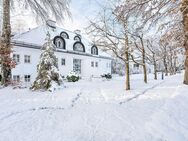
72,77
107,76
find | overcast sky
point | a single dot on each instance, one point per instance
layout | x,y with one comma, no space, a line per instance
81,10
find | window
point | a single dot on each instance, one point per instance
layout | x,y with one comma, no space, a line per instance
96,64
59,42
77,38
27,58
16,78
27,78
92,64
109,65
16,58
78,46
94,50
136,65
63,62
64,35
77,66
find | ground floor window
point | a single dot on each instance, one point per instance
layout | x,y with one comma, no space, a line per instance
96,64
27,78
16,78
63,62
92,64
77,66
136,65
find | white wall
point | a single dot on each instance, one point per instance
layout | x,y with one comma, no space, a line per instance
31,68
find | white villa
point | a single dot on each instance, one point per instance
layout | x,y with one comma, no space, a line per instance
74,53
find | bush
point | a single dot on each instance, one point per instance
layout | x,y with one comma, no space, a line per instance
72,77
107,76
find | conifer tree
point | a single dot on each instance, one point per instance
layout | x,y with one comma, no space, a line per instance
48,73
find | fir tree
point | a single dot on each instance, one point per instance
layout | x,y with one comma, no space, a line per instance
48,73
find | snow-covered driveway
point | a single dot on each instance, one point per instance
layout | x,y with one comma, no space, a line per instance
97,111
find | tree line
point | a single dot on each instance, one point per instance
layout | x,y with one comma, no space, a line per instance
143,32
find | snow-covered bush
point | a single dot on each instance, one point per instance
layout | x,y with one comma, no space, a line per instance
107,76
72,77
48,73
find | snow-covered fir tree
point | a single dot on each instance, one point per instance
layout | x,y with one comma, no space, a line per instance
48,74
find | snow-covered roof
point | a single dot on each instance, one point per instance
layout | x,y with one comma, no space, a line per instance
37,36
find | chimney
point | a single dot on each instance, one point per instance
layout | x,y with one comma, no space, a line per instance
77,31
51,23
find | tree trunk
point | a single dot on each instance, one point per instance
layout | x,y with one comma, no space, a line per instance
170,60
127,71
5,44
184,10
165,66
127,85
144,61
145,73
155,67
175,67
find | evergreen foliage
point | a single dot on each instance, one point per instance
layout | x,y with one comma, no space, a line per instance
72,77
48,73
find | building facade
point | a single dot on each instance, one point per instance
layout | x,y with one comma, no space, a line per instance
73,51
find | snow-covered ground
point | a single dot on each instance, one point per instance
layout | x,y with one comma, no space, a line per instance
97,111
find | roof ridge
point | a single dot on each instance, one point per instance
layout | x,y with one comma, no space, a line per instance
25,32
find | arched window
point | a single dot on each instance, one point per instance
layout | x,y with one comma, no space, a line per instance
59,42
77,38
64,35
94,50
78,46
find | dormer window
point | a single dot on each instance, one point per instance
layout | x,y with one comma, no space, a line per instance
59,42
77,38
94,50
64,35
78,46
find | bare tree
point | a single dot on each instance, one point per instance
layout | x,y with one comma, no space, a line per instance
110,35
184,10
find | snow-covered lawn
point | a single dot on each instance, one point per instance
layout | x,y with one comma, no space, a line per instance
97,111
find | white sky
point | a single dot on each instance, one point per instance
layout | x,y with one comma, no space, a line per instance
81,10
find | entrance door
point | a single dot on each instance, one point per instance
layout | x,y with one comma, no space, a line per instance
77,65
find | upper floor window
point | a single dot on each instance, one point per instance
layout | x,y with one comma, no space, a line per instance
59,42
16,58
64,35
78,46
77,38
27,59
94,50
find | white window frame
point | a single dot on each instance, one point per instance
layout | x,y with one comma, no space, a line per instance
92,64
63,61
16,58
96,64
27,78
59,43
27,58
16,78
